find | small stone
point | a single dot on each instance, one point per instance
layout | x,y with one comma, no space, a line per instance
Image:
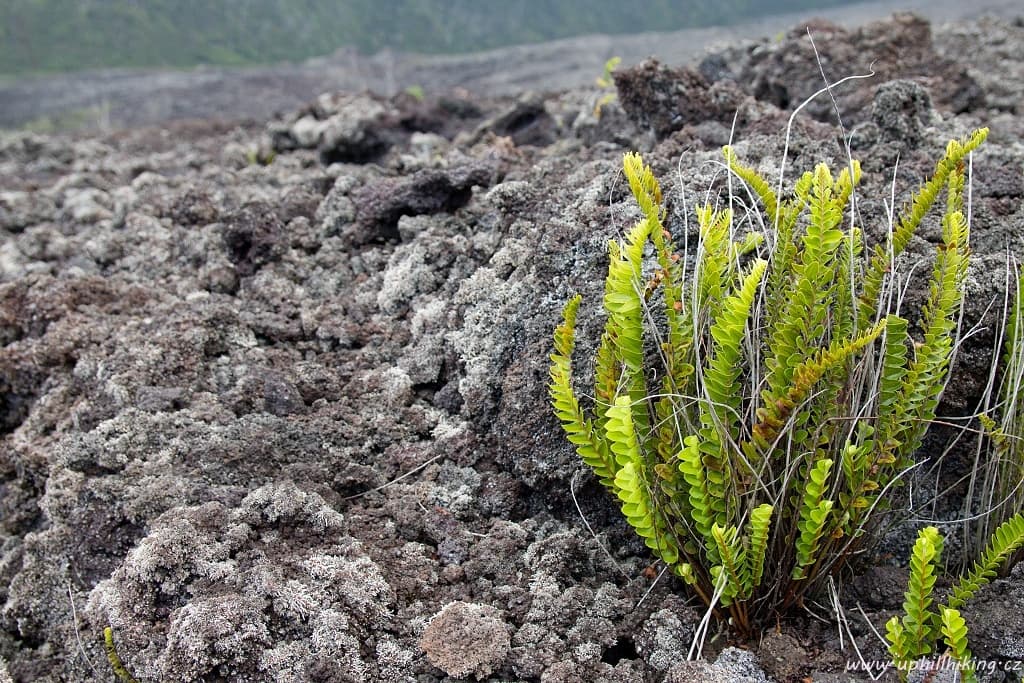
466,638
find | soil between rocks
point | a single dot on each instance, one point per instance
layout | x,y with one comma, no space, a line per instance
272,397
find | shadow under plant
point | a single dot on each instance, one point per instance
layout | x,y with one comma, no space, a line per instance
288,420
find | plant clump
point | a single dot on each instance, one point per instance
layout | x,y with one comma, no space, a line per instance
757,400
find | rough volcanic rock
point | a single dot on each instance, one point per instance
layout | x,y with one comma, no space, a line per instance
666,98
380,205
900,113
732,665
788,71
342,128
284,417
215,590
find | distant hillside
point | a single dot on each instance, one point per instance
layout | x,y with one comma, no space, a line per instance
67,35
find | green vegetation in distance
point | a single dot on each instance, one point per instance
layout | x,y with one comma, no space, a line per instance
69,120
606,83
68,35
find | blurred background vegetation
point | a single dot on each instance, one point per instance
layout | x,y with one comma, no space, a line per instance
39,36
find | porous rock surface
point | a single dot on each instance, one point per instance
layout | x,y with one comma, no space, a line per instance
272,398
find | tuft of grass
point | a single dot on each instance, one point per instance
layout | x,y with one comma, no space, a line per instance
996,486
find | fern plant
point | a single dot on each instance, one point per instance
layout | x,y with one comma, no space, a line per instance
755,401
606,83
913,635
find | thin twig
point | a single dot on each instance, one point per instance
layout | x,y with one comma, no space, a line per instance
78,634
396,480
572,492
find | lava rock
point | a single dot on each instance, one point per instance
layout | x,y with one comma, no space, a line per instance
666,98
380,205
254,237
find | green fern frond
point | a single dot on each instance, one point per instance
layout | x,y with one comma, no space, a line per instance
666,437
894,364
862,480
643,184
580,431
899,645
642,514
620,432
847,181
702,508
908,221
624,304
782,275
758,527
918,619
751,241
814,513
756,182
922,384
733,562
637,505
782,218
721,380
115,661
721,407
954,633
807,373
607,375
713,277
677,348
855,453
955,189
823,236
622,297
1005,541
802,323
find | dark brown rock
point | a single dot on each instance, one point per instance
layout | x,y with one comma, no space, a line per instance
666,98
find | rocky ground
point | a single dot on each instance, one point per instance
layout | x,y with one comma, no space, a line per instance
273,396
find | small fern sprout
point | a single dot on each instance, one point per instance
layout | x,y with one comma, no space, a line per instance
911,637
921,627
115,661
954,635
